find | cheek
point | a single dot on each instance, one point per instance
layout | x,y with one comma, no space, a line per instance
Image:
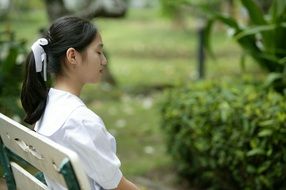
93,70
94,64
94,59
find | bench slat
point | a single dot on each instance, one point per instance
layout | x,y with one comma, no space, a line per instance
24,180
41,152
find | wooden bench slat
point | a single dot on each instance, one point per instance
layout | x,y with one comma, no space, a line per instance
44,154
24,180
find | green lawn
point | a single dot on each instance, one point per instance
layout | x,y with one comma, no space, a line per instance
145,52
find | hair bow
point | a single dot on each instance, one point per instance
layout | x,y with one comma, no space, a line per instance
40,56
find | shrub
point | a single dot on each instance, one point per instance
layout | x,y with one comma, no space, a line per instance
226,136
11,58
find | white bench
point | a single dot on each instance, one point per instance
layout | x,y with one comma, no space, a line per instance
57,162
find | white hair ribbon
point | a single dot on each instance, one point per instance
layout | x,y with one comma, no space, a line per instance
40,56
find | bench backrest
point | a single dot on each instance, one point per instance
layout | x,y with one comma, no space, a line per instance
57,162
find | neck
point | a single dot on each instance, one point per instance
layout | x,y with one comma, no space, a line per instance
69,85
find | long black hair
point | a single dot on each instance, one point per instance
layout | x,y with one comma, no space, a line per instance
64,33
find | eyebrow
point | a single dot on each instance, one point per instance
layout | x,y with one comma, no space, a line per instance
100,45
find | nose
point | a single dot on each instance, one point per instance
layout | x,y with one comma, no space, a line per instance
104,60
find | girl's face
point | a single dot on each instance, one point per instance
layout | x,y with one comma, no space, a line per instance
92,61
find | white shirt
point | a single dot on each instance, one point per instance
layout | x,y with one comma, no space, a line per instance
68,122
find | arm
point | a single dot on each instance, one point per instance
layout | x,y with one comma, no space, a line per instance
125,184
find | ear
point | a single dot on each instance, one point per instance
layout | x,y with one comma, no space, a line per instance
71,55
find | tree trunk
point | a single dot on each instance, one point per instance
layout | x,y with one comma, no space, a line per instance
104,8
55,9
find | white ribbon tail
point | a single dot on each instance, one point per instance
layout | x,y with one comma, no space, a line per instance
44,58
40,56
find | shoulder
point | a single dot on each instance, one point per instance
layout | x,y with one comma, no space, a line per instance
83,113
84,117
59,108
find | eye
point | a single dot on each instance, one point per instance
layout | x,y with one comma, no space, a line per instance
99,53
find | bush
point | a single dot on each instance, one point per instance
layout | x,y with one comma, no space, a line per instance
11,70
226,136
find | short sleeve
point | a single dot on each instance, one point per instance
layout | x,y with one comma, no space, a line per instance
86,134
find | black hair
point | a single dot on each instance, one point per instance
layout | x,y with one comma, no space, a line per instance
64,33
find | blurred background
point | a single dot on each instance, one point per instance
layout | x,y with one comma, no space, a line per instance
194,91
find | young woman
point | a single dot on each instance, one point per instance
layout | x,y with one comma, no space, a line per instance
71,52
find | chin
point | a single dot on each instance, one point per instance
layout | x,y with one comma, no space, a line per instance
94,81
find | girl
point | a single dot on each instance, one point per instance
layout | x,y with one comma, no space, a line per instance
72,51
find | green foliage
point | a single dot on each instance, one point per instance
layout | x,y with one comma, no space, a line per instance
172,8
11,53
226,136
4,10
263,37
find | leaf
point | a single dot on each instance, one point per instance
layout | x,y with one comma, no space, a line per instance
228,21
255,13
257,18
264,166
266,123
277,10
266,181
265,133
254,30
242,61
209,25
282,61
253,143
269,152
270,57
207,36
254,152
251,169
272,77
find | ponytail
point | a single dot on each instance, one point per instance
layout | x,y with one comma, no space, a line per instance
34,92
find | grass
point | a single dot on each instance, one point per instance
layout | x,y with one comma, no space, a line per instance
133,121
145,51
26,25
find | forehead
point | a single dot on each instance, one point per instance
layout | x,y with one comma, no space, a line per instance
97,41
